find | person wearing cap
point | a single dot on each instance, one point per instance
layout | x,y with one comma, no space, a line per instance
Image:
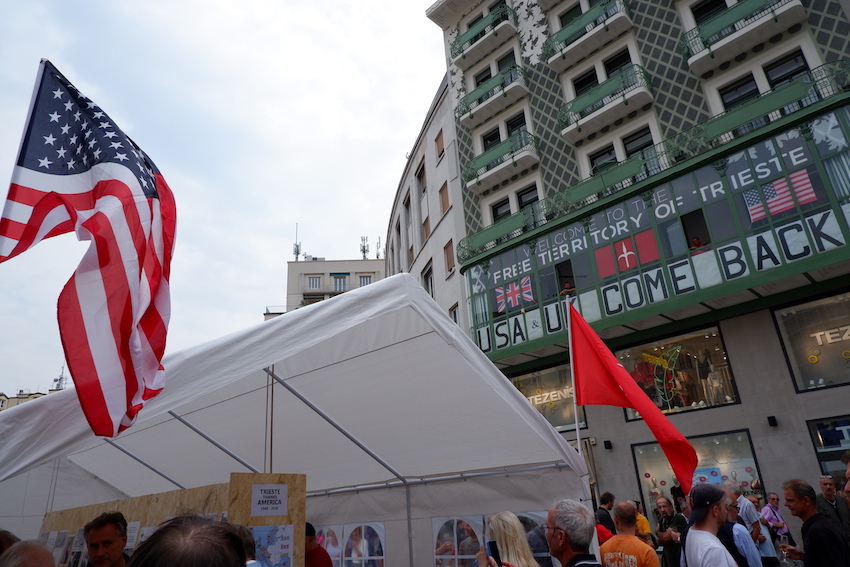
700,547
314,554
823,544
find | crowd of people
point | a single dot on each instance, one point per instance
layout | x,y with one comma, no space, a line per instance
714,526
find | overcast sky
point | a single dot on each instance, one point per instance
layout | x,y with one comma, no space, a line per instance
259,114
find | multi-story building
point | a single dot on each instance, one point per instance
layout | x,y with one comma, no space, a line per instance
426,221
7,402
680,171
316,279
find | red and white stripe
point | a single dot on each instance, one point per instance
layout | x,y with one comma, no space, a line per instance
114,311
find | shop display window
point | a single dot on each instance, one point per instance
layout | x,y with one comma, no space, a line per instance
721,456
816,338
682,373
831,438
551,392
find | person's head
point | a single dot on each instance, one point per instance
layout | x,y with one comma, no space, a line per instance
733,486
665,507
638,506
570,526
708,507
756,501
827,487
7,540
27,554
772,498
606,500
732,508
685,507
800,498
625,516
509,534
191,541
106,537
248,543
845,458
310,542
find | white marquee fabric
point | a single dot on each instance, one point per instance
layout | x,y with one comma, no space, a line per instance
411,397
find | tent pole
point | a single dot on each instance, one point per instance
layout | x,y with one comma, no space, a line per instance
213,441
143,462
573,377
365,449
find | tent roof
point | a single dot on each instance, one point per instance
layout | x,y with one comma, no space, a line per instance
376,384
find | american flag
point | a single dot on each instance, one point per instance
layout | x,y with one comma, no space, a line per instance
778,195
77,171
512,294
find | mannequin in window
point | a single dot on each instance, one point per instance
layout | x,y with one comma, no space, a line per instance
714,386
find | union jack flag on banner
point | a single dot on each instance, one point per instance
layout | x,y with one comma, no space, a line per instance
777,195
77,171
513,294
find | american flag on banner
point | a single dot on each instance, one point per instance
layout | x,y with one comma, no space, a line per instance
77,171
513,294
778,195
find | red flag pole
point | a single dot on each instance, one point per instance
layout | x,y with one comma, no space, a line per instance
573,377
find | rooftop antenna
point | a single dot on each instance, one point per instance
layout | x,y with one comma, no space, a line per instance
296,248
378,249
364,248
60,383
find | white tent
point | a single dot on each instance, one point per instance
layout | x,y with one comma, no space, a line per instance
377,396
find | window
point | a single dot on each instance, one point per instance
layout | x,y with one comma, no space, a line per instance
426,229
420,177
640,144
550,392
365,280
707,9
570,16
740,92
457,540
516,124
310,299
722,456
490,139
428,280
507,66
813,335
681,373
452,313
444,198
603,159
438,143
584,83
364,544
788,69
339,283
449,253
314,282
618,62
501,210
529,198
407,216
831,438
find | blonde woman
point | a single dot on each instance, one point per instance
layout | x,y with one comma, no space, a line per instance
506,529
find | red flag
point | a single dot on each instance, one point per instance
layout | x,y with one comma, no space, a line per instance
77,171
601,380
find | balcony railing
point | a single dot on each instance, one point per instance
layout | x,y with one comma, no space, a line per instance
821,83
584,24
726,23
618,86
482,27
502,152
490,88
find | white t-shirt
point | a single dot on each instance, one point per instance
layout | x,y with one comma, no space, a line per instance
703,549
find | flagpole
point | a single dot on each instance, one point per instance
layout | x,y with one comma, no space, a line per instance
573,377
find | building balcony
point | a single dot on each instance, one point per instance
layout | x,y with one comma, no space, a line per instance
623,93
445,13
484,36
587,34
503,160
640,173
492,96
738,29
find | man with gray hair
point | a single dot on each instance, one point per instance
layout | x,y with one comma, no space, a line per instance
27,554
569,531
752,521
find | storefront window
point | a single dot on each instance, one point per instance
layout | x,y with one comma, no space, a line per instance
721,456
551,392
682,373
831,437
816,337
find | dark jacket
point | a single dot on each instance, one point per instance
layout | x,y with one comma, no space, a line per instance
838,515
823,544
